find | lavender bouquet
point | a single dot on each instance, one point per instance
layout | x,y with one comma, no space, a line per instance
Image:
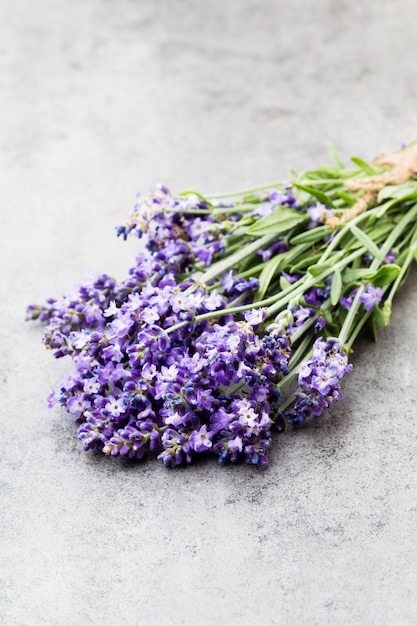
239,316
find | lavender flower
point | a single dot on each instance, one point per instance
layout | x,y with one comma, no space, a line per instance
371,296
346,301
319,212
318,379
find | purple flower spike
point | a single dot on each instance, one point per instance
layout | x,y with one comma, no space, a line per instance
318,379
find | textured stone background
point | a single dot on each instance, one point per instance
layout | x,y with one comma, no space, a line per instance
100,99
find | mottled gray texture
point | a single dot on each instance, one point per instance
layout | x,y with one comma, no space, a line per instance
100,99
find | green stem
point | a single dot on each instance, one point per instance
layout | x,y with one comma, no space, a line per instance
299,355
349,343
343,230
235,194
253,270
321,181
407,262
243,208
287,403
188,211
276,301
310,182
389,243
302,329
311,281
224,264
354,307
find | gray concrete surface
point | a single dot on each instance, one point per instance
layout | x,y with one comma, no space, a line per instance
100,99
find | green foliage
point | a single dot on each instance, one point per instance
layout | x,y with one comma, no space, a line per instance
335,260
336,288
311,236
316,270
316,193
367,168
366,241
271,267
347,198
279,222
335,155
382,316
384,276
405,191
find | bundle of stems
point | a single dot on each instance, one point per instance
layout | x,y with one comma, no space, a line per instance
240,314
